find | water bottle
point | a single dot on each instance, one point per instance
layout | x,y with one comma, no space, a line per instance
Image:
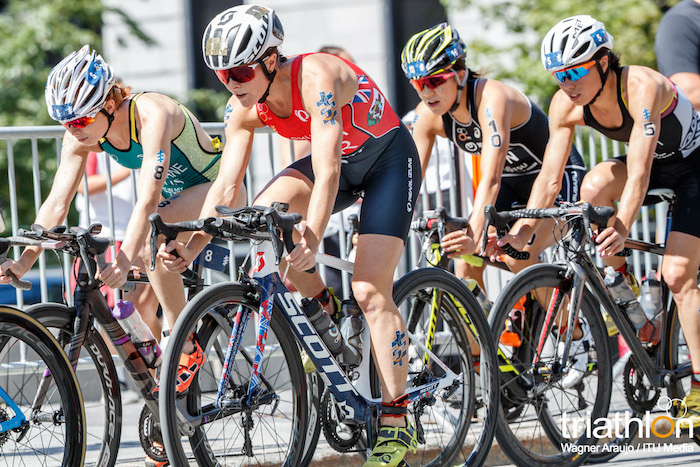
140,334
652,304
624,296
352,324
323,323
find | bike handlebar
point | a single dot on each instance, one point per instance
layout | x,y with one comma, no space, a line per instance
77,241
256,223
598,215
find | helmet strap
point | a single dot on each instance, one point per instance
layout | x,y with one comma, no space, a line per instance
270,75
603,79
460,87
110,119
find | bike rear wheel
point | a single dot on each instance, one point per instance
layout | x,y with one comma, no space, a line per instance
442,313
54,431
269,433
98,381
677,354
542,410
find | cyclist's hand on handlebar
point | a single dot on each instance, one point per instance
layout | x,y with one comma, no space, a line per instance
114,275
302,257
15,267
611,240
458,243
176,262
493,251
517,241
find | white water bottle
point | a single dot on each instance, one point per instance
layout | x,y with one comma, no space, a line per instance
138,331
623,294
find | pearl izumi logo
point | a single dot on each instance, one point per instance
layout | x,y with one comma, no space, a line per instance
663,424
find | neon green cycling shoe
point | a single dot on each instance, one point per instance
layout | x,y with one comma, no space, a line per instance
692,414
391,447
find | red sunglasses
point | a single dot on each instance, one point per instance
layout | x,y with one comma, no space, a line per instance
431,81
240,74
79,123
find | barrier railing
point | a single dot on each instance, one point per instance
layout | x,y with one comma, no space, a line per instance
266,161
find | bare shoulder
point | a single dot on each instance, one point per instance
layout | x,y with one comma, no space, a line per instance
563,112
238,117
328,71
72,147
644,84
427,122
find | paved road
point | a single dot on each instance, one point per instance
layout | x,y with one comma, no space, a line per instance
657,454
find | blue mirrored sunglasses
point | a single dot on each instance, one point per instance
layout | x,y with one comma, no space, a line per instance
574,73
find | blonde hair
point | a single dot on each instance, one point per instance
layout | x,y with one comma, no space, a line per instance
118,93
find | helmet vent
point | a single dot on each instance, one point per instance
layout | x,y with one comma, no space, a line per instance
244,42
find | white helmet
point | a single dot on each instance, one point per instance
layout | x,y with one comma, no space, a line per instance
572,41
78,85
240,36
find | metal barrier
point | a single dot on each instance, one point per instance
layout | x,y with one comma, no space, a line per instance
265,162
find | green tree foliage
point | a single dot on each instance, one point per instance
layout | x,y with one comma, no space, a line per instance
35,35
632,23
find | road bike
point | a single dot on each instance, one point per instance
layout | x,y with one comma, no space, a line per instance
563,405
81,330
42,421
253,409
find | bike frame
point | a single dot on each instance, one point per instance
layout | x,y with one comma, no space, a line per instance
17,420
358,405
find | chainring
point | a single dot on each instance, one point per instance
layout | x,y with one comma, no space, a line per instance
340,436
150,436
640,396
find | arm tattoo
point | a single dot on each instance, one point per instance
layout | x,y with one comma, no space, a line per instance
496,139
159,169
649,127
326,105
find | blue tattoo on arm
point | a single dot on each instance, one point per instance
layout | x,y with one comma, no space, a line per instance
327,108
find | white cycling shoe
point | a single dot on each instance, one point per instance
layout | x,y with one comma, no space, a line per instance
578,356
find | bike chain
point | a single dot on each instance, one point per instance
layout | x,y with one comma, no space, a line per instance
3,418
150,436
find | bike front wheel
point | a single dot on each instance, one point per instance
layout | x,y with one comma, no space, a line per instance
457,425
545,401
98,381
234,432
37,377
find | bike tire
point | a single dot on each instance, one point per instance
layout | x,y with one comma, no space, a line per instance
537,435
98,379
54,435
676,353
209,315
452,435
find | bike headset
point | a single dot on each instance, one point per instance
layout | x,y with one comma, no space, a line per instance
243,35
433,51
577,40
78,87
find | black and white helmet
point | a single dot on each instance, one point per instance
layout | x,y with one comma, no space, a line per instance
573,41
240,36
78,86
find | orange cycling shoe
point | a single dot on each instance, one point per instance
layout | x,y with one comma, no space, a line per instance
188,367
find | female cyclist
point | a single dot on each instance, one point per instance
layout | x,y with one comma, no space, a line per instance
644,109
150,131
485,117
358,144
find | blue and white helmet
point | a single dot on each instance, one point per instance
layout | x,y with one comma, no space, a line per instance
240,36
78,86
573,41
